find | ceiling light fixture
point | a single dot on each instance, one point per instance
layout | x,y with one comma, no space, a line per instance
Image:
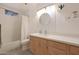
61,6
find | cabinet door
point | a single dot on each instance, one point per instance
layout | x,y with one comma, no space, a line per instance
74,50
35,45
55,51
38,46
55,48
43,47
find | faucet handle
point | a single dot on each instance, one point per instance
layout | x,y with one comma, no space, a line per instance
40,31
45,32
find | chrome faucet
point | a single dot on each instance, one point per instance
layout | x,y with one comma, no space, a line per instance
45,32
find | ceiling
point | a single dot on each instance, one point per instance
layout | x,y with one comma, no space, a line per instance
25,9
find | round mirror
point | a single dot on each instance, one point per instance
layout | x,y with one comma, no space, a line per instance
44,19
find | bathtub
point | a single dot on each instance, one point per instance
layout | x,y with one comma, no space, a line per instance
11,45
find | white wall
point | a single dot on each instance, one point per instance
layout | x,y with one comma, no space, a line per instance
33,24
65,25
59,22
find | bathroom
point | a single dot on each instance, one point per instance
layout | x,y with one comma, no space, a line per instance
30,19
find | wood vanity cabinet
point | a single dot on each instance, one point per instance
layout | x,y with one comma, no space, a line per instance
42,46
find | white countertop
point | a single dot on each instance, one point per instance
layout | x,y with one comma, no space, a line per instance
72,40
